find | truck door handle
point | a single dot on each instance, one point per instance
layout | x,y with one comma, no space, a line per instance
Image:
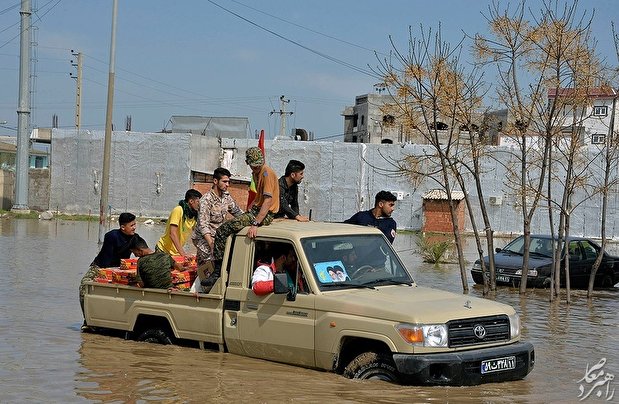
252,306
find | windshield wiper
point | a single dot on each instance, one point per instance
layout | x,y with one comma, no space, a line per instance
354,285
512,252
539,254
390,281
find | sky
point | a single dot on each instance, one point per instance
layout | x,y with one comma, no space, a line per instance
225,57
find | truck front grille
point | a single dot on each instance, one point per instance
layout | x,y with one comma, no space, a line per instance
478,330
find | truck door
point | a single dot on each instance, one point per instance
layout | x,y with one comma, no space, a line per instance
274,328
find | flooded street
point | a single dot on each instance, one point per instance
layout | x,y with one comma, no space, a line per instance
46,358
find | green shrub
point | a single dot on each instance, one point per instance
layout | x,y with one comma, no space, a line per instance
432,251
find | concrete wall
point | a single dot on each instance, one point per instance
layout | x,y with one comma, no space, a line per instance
149,172
38,189
7,189
342,178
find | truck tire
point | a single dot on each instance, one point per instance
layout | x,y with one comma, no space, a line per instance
156,336
372,365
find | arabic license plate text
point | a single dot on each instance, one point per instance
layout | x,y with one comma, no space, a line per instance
498,365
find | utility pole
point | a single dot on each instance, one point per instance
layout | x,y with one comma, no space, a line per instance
78,89
23,112
107,144
282,115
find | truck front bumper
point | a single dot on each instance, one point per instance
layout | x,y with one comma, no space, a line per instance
464,368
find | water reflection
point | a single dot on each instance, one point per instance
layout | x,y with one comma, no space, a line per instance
46,358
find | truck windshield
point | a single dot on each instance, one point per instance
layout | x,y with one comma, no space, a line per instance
341,262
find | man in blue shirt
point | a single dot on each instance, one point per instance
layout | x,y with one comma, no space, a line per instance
379,216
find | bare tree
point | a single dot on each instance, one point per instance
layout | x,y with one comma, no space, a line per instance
510,49
429,87
556,51
611,151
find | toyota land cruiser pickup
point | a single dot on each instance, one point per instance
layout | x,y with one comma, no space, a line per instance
348,306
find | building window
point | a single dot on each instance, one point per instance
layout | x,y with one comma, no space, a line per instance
598,138
600,110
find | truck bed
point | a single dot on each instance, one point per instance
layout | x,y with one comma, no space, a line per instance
190,316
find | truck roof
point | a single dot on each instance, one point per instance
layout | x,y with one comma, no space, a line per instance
293,229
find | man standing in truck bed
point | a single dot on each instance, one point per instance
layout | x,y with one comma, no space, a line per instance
214,206
259,213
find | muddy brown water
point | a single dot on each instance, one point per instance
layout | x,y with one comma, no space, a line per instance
45,357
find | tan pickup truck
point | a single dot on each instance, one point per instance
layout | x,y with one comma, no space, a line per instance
347,306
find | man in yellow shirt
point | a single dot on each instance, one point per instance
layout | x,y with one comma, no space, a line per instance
180,224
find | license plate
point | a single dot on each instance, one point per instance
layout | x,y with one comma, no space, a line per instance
502,278
498,365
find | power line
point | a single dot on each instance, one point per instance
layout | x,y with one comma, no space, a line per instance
32,23
323,55
307,29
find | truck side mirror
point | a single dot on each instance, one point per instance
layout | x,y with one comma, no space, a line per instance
280,283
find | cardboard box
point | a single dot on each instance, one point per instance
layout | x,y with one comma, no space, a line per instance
106,273
124,276
179,277
129,264
189,262
185,286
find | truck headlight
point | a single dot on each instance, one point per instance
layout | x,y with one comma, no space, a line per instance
514,325
477,266
431,335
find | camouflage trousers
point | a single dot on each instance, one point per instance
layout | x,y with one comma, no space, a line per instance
234,226
90,275
203,250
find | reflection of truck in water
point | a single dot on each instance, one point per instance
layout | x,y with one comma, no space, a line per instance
375,323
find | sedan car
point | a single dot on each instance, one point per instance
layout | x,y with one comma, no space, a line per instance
583,252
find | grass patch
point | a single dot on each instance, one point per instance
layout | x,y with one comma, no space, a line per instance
432,250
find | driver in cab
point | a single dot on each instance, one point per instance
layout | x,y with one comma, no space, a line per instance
284,259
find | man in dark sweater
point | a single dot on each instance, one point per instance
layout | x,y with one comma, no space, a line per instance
115,246
289,191
379,216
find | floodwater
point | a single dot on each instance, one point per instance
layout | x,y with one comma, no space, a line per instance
45,357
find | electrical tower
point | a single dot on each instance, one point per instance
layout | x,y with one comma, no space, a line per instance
78,89
282,116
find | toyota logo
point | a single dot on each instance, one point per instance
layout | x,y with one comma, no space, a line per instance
480,331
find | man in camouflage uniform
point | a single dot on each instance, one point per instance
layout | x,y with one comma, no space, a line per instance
259,213
214,206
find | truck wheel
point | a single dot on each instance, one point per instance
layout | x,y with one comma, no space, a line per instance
372,365
156,336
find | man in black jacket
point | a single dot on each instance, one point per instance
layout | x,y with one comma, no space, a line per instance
289,192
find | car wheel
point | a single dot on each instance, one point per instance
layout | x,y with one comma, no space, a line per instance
372,366
156,336
477,277
608,281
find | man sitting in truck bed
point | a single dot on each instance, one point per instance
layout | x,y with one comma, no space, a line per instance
154,268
